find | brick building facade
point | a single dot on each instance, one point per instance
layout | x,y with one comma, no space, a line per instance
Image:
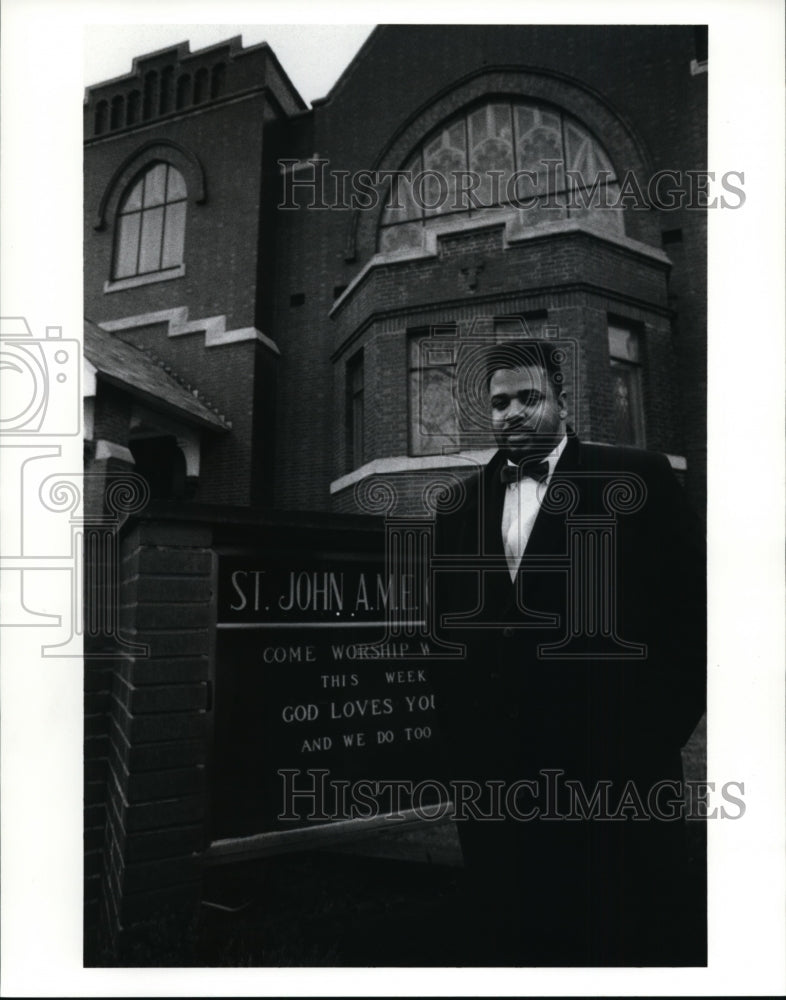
243,353
300,325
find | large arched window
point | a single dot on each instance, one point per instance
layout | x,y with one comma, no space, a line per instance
151,223
529,158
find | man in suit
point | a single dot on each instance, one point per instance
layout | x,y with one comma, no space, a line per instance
573,576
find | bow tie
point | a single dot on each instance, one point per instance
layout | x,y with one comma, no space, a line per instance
531,470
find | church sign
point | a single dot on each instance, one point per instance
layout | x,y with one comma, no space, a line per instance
322,708
271,692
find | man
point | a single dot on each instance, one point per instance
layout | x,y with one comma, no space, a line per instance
573,576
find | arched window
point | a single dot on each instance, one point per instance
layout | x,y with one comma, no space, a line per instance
529,158
217,78
165,96
151,223
102,114
201,85
150,94
133,107
183,91
118,111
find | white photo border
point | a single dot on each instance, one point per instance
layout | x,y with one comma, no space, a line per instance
41,700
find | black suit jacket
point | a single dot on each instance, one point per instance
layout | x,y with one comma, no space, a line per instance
589,668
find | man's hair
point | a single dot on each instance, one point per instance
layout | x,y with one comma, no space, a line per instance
525,354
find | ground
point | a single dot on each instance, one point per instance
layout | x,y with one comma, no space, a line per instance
393,899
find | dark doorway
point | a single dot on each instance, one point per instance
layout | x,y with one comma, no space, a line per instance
163,465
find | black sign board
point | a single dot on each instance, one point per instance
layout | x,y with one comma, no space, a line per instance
322,712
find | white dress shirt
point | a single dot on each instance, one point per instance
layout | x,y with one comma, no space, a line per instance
521,508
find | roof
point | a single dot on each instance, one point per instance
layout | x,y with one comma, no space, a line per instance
129,368
350,68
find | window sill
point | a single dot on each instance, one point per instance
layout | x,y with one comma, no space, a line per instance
410,463
471,459
120,284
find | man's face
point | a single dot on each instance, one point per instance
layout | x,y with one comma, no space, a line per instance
525,412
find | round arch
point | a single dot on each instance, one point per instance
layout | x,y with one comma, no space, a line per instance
626,150
162,149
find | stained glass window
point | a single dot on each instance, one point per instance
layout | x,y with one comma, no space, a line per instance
513,154
433,418
628,404
438,423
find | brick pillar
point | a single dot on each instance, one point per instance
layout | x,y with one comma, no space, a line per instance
98,534
157,798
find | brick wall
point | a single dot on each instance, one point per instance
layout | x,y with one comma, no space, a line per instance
148,821
539,264
575,281
280,270
222,233
112,415
433,290
631,85
157,801
100,655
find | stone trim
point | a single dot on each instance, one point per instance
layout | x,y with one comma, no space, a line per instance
408,463
110,449
180,157
213,327
89,372
394,464
121,284
510,237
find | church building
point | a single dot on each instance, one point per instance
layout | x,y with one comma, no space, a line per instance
280,302
272,287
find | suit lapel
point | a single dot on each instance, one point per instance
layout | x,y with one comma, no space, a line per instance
498,590
493,494
548,532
